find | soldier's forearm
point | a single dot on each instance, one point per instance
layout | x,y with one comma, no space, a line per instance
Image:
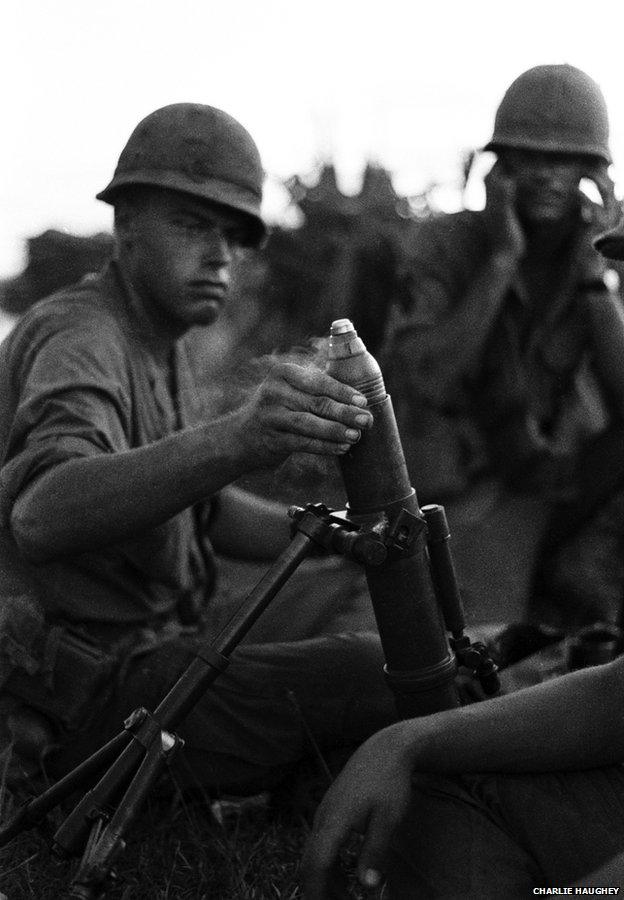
90,502
606,333
448,351
572,722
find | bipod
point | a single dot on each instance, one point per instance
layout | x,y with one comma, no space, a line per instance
133,760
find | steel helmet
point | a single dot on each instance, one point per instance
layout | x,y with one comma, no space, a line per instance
198,150
554,108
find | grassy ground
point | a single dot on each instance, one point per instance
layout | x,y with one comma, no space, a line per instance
179,850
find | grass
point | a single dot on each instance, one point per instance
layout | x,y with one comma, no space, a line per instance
176,850
184,849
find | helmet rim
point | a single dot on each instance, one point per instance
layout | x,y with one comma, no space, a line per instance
556,109
197,150
547,145
213,190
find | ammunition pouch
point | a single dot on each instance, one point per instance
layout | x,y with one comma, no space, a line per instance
66,671
54,668
72,682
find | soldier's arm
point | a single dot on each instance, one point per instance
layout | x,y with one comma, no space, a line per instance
93,500
573,722
605,319
434,353
438,351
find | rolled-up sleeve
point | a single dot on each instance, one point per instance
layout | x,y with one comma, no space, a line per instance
72,400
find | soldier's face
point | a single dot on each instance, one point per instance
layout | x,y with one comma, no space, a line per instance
178,253
547,184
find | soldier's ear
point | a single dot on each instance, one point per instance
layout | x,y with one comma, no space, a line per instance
124,225
502,164
122,217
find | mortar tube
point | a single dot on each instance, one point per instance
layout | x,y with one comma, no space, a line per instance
420,667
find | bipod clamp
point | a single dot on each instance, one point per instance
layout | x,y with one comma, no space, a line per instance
337,534
476,658
370,545
95,826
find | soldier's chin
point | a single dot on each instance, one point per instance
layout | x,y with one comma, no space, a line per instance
547,209
206,313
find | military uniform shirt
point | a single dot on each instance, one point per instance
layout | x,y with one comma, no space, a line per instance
531,397
78,379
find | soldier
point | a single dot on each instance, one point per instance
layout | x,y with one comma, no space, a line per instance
516,796
116,489
504,363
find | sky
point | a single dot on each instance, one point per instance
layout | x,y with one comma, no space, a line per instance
401,83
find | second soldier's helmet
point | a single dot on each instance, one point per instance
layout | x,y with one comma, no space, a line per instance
197,150
553,108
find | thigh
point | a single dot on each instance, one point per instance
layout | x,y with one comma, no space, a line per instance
274,704
570,822
450,846
279,703
501,836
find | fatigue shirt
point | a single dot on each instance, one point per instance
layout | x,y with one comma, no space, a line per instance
78,379
530,397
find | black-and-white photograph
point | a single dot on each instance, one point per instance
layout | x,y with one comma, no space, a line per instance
311,450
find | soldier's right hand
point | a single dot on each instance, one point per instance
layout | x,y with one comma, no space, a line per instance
299,409
370,797
500,209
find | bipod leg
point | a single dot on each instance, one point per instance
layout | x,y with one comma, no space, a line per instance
35,810
93,890
213,658
95,875
136,756
72,836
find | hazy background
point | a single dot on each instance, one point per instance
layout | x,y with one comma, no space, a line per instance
405,84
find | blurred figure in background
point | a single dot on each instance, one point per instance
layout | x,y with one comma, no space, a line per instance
511,797
505,362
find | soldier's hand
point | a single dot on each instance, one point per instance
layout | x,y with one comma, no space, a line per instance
500,209
597,201
300,409
370,796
